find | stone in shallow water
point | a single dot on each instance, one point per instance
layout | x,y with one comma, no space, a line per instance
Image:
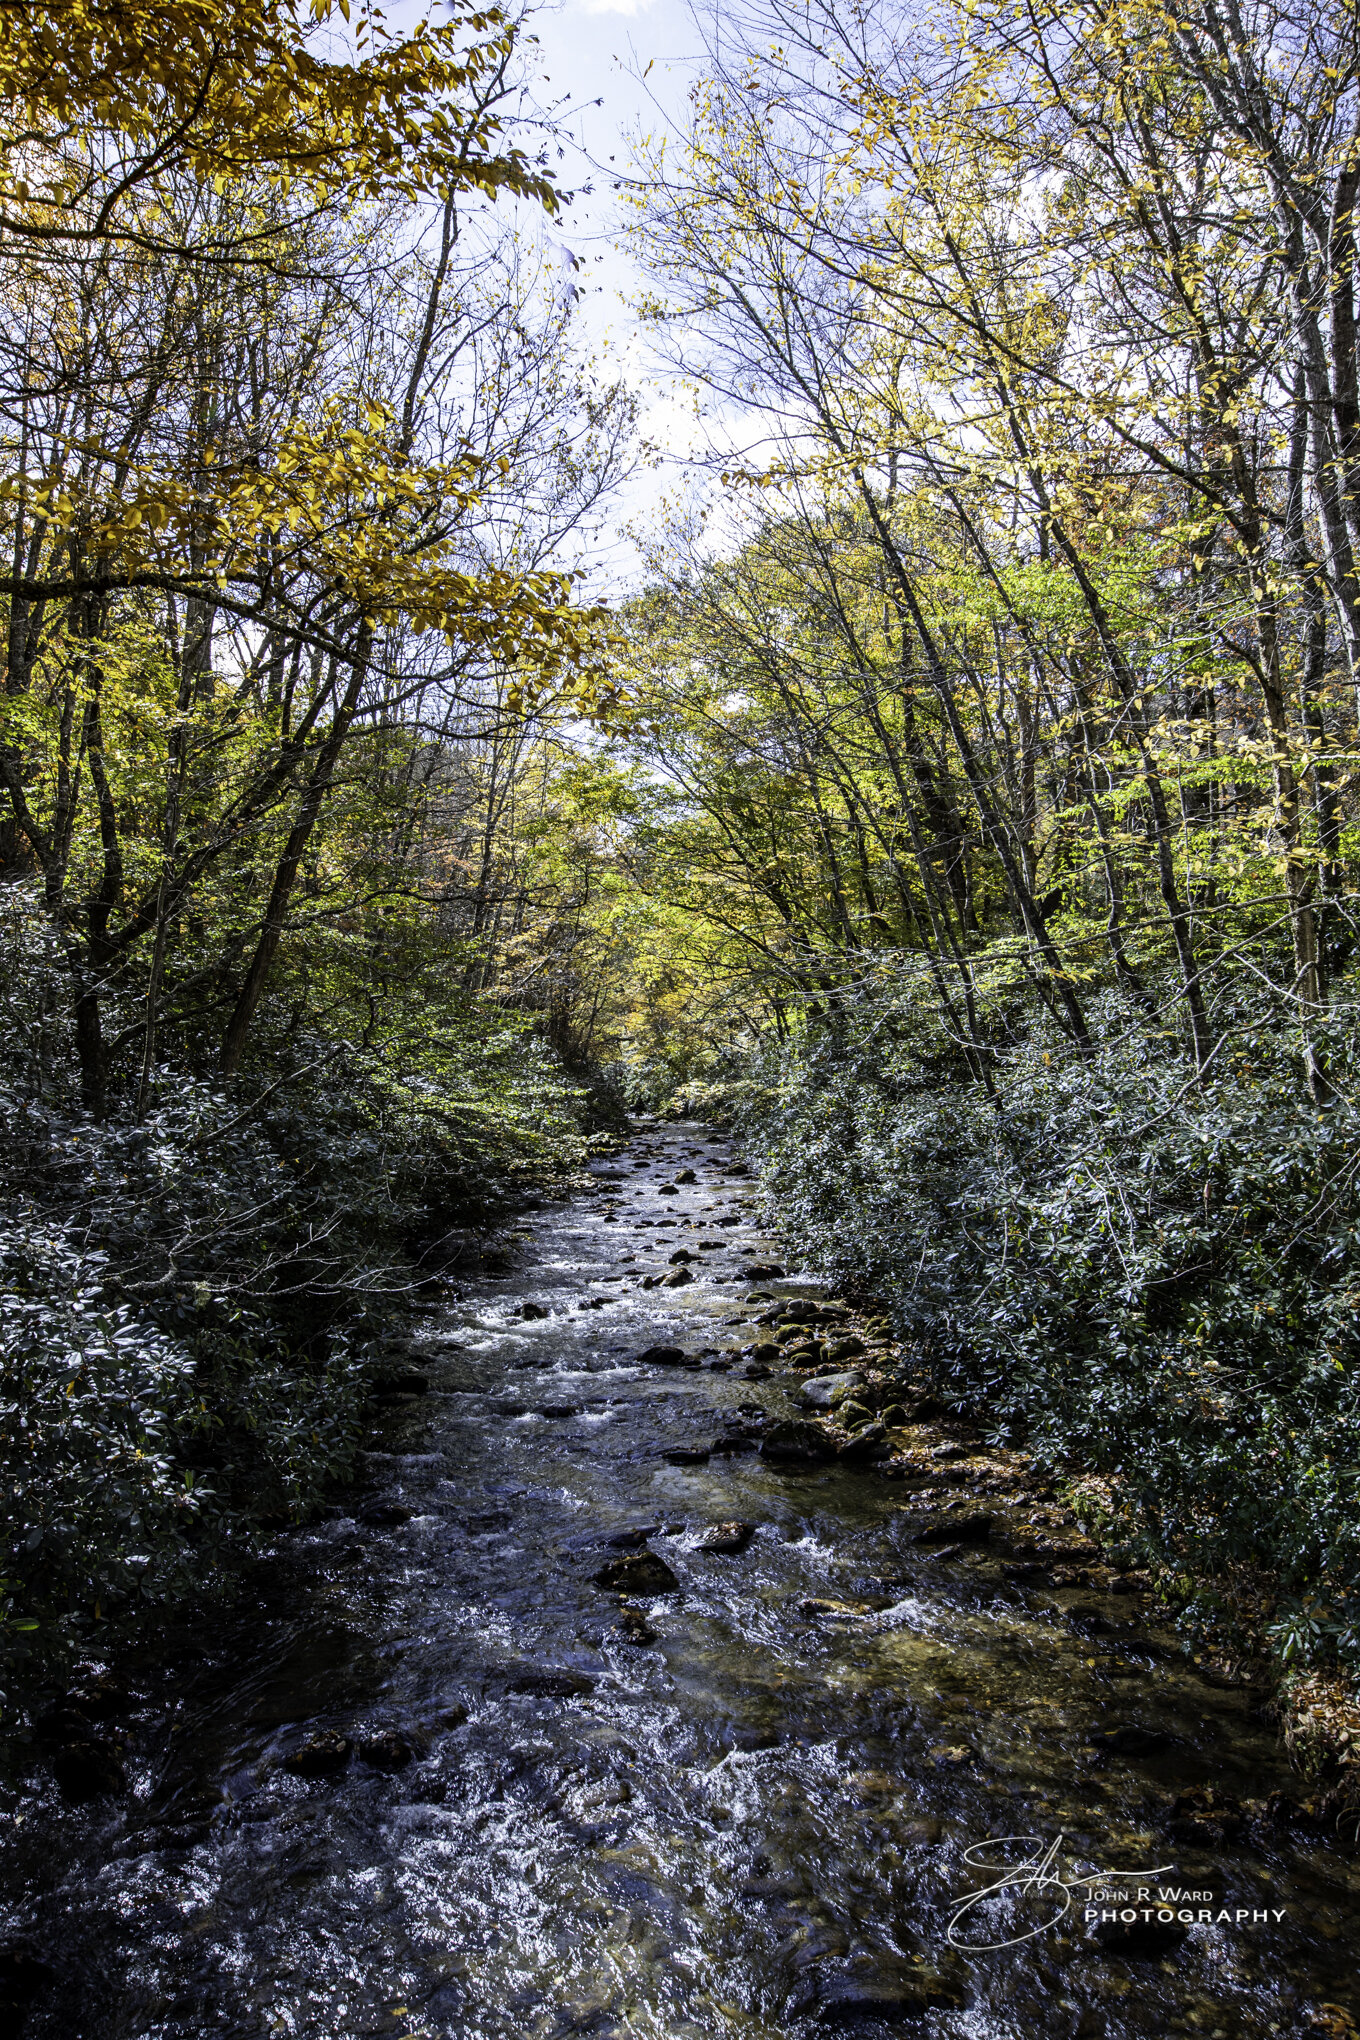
385,1515
679,1279
1131,1739
727,1537
321,1756
534,1310
797,1443
388,1750
887,1997
685,1455
641,1573
666,1356
551,1684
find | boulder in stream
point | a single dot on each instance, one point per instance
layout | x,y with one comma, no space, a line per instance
642,1572
797,1442
552,1684
321,1756
728,1538
387,1750
666,1356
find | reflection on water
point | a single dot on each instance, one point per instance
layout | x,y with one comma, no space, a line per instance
437,1781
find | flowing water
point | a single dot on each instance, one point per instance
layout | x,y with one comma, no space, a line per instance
704,1813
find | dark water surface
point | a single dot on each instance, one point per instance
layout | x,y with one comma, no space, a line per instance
707,1813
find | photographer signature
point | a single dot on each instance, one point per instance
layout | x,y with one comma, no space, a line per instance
1033,1874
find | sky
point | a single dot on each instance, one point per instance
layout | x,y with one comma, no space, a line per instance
597,52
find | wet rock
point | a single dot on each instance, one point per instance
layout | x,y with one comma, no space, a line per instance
643,1573
732,1446
830,1389
680,1256
817,1607
1028,1573
764,1352
1206,1819
385,1515
797,1442
685,1176
634,1627
762,1271
679,1279
727,1537
799,1312
629,1540
848,1998
88,1769
1140,1940
551,1684
948,1451
666,1356
667,1190
453,1716
952,1756
1131,1739
388,1750
23,1974
534,1310
869,1442
685,1455
757,1371
558,1410
321,1756
752,1740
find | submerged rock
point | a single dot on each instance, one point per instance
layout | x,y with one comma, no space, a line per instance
552,1684
796,1441
388,1750
385,1515
666,1356
321,1756
642,1573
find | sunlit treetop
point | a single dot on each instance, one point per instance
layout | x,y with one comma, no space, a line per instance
103,98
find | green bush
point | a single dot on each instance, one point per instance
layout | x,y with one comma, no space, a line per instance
1145,1277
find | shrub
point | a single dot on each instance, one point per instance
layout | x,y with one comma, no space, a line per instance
1146,1277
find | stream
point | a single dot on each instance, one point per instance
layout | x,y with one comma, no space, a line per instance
434,1778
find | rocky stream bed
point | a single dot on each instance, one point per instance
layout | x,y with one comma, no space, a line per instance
671,1674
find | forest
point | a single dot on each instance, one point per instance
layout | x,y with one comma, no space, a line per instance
958,803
